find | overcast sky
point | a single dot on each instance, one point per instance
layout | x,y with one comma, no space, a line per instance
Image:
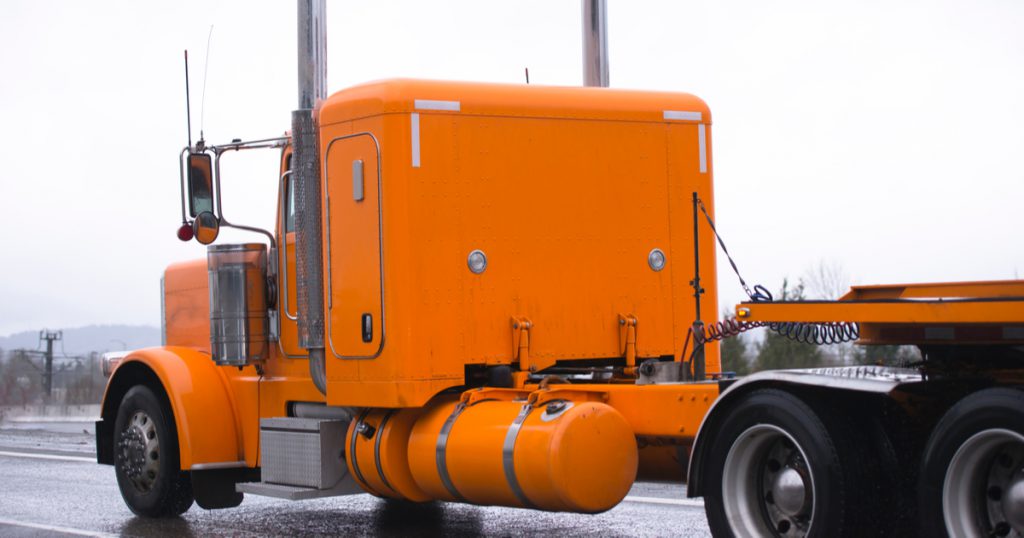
887,137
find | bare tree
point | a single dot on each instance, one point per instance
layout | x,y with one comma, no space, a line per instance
827,280
22,382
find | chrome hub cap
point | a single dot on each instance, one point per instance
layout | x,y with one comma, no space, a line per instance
767,488
139,451
788,492
983,492
1013,502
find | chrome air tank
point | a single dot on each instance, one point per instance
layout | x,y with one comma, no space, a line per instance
238,303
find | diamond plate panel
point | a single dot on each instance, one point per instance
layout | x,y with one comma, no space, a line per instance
303,452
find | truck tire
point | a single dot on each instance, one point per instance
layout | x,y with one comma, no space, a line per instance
972,474
776,469
146,459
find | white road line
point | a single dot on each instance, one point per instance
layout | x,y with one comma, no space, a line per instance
54,528
46,456
629,498
660,500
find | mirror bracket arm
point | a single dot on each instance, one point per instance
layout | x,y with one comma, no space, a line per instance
226,224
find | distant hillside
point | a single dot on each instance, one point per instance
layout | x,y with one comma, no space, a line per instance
82,340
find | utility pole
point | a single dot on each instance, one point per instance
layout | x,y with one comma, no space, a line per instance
50,337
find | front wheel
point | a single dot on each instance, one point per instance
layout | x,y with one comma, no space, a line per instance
146,459
782,471
972,475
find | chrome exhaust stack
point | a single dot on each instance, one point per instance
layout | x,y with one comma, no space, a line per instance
595,43
312,53
312,63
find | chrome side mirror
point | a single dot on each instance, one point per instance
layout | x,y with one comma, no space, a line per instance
200,184
206,227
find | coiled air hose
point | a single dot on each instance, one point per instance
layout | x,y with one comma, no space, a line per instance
816,333
820,334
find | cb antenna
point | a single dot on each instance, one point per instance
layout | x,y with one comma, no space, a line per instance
206,68
188,108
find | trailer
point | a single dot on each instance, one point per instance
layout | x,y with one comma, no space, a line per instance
932,449
505,295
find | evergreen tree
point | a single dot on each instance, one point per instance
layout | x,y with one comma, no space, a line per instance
776,351
735,353
886,355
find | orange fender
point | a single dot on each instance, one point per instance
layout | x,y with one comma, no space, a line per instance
199,394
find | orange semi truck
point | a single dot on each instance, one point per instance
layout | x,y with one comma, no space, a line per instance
495,294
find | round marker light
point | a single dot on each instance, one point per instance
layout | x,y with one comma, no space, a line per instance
656,259
185,232
477,261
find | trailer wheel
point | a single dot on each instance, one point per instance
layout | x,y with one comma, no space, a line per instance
781,471
972,474
146,458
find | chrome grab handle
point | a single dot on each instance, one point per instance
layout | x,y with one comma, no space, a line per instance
284,247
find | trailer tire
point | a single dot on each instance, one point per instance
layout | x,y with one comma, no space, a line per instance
776,467
971,483
892,492
146,459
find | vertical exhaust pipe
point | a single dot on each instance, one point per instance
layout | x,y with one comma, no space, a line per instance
595,43
312,53
312,34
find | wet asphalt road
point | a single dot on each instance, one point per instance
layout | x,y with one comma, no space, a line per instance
50,497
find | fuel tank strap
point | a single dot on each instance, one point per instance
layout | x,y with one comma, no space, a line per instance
508,456
442,445
376,449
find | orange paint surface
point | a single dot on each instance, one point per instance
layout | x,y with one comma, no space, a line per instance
566,191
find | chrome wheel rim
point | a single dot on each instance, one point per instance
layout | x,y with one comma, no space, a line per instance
983,491
767,487
139,452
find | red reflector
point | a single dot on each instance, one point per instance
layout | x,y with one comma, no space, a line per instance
185,232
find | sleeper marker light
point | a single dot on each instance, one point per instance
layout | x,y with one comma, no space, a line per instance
477,261
656,259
